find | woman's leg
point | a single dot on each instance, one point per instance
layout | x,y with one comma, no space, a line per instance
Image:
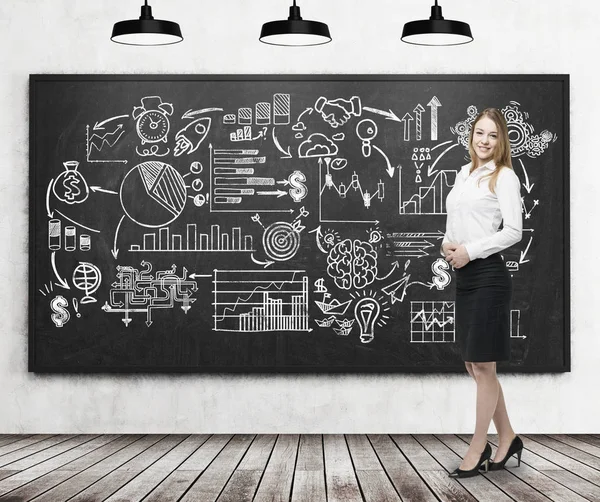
503,427
487,399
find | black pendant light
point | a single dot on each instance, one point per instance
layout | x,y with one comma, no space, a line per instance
436,30
295,31
146,30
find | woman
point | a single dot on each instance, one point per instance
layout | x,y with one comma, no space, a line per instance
486,192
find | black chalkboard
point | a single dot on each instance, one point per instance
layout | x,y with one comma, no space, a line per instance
279,223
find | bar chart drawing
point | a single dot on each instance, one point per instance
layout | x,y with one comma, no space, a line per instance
429,199
260,300
193,242
432,322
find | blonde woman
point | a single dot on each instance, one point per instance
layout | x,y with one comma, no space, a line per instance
486,192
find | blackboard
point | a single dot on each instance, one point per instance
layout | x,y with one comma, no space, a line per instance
280,223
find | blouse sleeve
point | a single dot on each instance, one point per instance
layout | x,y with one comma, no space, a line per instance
508,191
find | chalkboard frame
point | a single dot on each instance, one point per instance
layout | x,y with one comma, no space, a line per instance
33,366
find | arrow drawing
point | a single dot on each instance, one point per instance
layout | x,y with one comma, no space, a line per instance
89,144
388,115
418,112
191,114
523,253
99,125
389,169
407,119
287,155
431,169
279,193
265,263
395,266
61,282
99,189
318,235
434,104
195,276
50,213
115,251
526,185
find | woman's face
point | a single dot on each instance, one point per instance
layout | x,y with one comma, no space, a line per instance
485,139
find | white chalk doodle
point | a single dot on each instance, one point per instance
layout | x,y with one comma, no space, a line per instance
432,322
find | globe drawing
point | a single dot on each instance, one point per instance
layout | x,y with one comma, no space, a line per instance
87,278
153,194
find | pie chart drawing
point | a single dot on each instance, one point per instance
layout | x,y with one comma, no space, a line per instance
153,194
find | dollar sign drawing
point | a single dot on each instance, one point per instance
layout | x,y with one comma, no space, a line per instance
61,315
298,190
70,183
441,278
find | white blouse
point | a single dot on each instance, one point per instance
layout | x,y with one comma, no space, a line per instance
475,213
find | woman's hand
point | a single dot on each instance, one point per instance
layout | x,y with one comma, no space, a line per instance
459,257
448,247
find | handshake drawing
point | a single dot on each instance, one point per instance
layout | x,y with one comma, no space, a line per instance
338,111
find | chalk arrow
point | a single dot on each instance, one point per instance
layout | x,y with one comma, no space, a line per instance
279,193
99,125
287,155
50,213
318,237
407,119
526,185
265,263
61,282
100,189
434,104
196,276
389,168
388,115
308,110
523,253
115,251
394,267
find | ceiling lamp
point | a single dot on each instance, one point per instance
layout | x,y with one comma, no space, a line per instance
146,30
295,31
436,30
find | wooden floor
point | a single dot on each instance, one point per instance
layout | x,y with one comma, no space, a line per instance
266,467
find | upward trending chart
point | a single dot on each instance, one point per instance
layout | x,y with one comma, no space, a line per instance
282,222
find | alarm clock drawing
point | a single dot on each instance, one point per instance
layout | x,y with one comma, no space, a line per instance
152,118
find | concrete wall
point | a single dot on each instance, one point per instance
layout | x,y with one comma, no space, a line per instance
518,36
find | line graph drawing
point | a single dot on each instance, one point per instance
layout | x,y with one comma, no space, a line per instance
429,199
432,322
102,144
260,300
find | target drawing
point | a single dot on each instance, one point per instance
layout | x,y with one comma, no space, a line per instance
281,241
153,194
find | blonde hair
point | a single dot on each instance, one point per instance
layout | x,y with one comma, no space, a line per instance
502,151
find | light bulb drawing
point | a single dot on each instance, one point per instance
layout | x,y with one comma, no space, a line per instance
366,313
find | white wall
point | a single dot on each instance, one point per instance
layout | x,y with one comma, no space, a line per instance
518,36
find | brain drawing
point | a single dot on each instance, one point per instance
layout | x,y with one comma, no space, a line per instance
352,264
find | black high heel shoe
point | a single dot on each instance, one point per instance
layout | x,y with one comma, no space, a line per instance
484,462
515,448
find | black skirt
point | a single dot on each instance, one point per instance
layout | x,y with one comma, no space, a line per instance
482,309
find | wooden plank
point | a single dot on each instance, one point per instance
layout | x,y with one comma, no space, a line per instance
12,438
449,451
340,478
566,456
7,473
37,471
242,485
405,479
520,482
309,476
577,443
433,474
123,474
143,484
276,483
373,481
587,438
32,449
23,443
54,478
362,453
82,480
212,481
176,484
557,473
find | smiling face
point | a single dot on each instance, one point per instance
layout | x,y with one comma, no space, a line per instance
485,140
